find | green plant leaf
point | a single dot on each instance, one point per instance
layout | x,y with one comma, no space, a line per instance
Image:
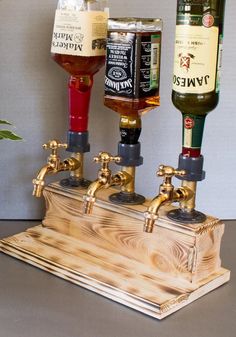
6,134
5,122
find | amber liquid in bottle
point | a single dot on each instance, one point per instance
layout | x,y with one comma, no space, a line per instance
132,69
80,65
135,105
82,68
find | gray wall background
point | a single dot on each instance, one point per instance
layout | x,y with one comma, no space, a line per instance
33,96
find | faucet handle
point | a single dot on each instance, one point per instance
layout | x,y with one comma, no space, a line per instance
168,172
54,145
105,159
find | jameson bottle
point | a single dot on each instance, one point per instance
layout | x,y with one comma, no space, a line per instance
197,65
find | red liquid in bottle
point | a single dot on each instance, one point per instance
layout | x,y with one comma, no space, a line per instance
81,69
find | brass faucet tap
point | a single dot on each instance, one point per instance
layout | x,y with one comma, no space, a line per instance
54,165
105,179
167,194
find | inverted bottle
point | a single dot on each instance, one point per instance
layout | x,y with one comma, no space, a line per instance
132,89
196,84
79,47
133,65
197,66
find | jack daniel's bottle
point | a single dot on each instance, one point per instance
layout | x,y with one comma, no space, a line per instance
133,65
132,72
197,63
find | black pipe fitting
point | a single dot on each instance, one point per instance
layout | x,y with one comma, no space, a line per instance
130,154
193,167
78,142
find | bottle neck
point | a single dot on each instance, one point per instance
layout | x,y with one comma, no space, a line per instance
216,8
79,101
130,129
193,127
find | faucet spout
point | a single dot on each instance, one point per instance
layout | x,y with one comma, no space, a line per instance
89,198
69,164
39,181
54,165
151,214
118,179
105,179
167,194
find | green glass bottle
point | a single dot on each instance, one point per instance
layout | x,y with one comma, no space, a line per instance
197,63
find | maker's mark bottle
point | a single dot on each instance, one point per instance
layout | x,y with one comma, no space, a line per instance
79,47
197,63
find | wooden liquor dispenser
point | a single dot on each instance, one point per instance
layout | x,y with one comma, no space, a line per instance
109,253
147,255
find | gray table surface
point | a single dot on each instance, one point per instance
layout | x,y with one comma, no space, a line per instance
34,303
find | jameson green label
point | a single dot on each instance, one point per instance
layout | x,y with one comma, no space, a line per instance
133,64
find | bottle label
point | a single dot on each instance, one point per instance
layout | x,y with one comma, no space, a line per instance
79,33
149,70
195,59
193,127
219,66
133,64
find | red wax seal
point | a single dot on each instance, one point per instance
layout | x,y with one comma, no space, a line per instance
79,99
208,20
189,123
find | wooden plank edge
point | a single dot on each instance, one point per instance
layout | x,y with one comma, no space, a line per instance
138,304
219,281
82,280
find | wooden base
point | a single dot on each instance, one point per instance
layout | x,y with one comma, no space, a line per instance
108,253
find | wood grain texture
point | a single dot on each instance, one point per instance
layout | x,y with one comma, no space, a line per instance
187,252
111,275
110,254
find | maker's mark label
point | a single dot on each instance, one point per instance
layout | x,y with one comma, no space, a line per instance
79,33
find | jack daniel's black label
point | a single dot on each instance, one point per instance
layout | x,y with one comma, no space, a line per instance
133,64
